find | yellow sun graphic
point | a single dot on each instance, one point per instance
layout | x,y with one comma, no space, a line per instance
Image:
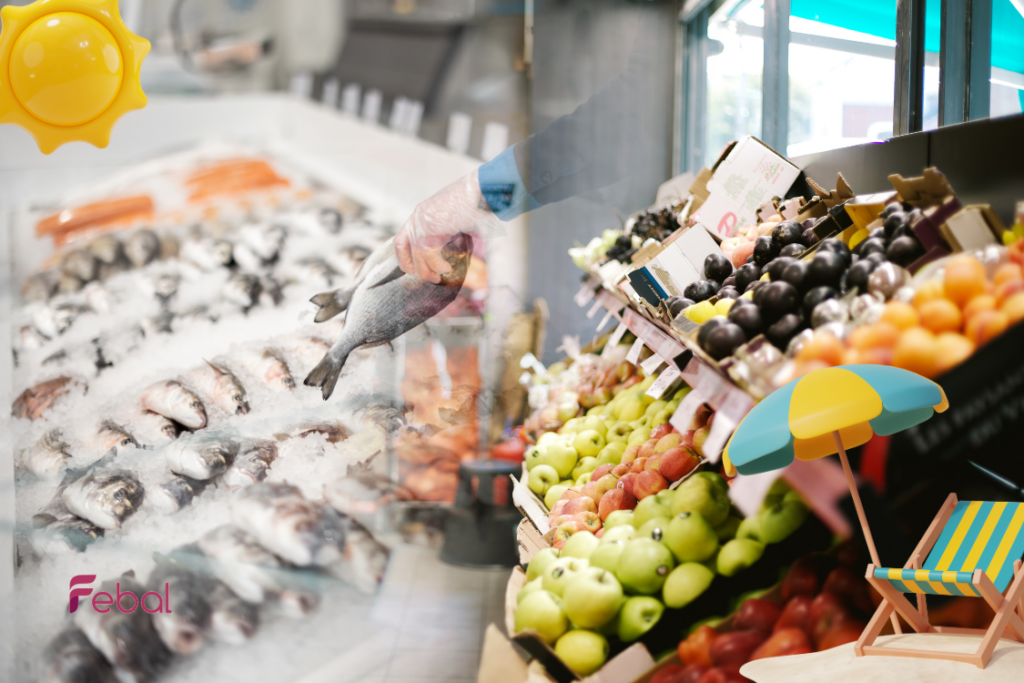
69,69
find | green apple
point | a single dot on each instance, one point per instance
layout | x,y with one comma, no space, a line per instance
571,425
554,494
623,532
653,528
530,587
643,566
584,479
681,393
541,612
593,599
638,436
714,478
539,562
637,616
663,417
685,584
595,423
778,522
655,407
737,555
644,421
611,454
546,438
727,529
588,443
618,433
542,478
607,554
562,571
581,544
582,651
665,497
561,456
619,518
633,410
534,456
750,528
699,494
649,508
690,537
776,493
585,464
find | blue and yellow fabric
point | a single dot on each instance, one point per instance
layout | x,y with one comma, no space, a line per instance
798,419
978,535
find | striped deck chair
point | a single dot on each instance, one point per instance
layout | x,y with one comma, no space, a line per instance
971,549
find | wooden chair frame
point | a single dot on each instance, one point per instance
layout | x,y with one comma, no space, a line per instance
1009,608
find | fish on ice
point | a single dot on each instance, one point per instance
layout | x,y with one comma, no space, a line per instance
176,493
113,437
172,400
105,497
71,658
200,456
232,620
270,367
385,302
220,384
183,628
48,456
251,465
35,401
142,247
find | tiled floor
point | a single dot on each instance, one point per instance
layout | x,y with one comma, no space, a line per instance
431,617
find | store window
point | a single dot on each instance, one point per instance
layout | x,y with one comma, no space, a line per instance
932,45
1007,82
841,73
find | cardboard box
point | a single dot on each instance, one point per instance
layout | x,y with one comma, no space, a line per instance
748,175
974,227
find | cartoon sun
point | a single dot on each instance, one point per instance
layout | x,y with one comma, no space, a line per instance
69,69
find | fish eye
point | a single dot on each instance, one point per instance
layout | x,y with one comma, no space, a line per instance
239,398
126,441
194,404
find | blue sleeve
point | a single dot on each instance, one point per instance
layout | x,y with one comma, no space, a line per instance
503,187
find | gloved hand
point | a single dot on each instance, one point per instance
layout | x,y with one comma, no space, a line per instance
459,207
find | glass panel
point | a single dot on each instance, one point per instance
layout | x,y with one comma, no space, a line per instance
1007,58
735,62
841,74
932,41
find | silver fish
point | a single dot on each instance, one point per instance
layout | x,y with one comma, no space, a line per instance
334,432
142,247
47,457
331,220
271,289
316,270
128,641
265,241
54,535
71,658
69,284
104,497
251,465
270,368
299,530
183,628
220,384
113,437
175,402
106,248
38,287
165,286
365,560
81,264
232,620
384,303
206,254
200,457
156,428
243,290
53,321
176,493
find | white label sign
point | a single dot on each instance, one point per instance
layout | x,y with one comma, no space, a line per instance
634,351
585,294
604,321
664,381
652,364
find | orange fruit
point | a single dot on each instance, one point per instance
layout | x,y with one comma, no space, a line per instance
880,334
902,315
1007,289
916,351
952,349
929,291
1007,272
964,279
982,302
941,315
986,325
876,356
1014,308
824,347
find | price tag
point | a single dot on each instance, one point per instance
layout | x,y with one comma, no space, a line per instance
613,340
669,349
594,309
664,381
604,321
732,409
748,492
585,294
683,416
634,351
652,364
691,371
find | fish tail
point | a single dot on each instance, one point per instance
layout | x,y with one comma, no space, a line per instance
331,303
325,374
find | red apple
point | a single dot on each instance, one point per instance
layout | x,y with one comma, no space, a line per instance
604,485
564,531
626,482
653,463
648,483
601,471
600,532
661,430
669,674
647,448
572,492
795,614
735,648
826,610
666,442
757,614
801,579
638,465
629,455
851,588
788,641
621,469
692,673
590,521
677,462
581,504
696,648
723,674
616,499
700,418
558,509
841,633
590,491
686,439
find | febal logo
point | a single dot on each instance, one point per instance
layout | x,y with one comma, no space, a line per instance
103,601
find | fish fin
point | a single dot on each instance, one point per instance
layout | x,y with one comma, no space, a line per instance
390,277
216,368
325,374
331,303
